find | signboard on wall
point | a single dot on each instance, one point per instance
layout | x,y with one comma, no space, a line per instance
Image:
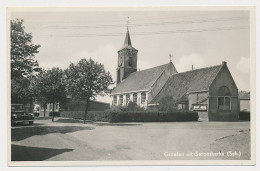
199,107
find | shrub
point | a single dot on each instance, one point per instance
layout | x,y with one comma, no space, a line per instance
167,104
132,106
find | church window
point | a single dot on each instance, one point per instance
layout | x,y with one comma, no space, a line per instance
121,100
224,99
224,103
115,100
135,97
143,97
127,98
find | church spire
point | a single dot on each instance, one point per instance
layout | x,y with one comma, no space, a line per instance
127,37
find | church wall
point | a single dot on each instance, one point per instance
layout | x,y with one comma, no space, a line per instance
223,78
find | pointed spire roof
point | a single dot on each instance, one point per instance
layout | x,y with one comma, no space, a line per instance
127,43
127,39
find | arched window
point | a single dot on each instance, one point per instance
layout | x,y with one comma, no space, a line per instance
115,100
224,91
121,100
143,97
127,98
224,99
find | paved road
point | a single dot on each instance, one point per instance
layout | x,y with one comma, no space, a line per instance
67,139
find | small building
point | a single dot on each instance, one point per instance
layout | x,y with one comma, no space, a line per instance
211,91
244,98
49,109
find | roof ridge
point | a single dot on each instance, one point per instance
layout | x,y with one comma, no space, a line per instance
198,69
153,67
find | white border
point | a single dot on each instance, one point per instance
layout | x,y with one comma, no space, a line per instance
44,3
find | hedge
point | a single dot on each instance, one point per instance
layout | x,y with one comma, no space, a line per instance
55,114
91,115
133,116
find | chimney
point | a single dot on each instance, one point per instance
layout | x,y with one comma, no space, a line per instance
192,67
224,63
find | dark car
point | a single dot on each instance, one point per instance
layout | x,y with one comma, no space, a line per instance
19,115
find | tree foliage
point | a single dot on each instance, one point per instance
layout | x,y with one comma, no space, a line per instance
87,79
49,87
23,63
23,51
167,104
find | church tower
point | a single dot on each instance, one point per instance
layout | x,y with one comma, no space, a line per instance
127,59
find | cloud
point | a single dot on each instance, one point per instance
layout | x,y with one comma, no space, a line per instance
185,62
243,65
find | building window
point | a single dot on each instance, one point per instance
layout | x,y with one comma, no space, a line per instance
121,100
143,97
224,99
224,103
57,106
182,106
127,99
135,97
115,100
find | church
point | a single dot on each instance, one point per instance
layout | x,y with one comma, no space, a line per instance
210,91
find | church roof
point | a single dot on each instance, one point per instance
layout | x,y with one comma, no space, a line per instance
141,80
180,84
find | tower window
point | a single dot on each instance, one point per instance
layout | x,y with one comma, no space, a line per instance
130,62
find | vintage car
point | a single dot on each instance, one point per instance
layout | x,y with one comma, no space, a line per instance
19,115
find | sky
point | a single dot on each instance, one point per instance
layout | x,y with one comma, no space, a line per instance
198,38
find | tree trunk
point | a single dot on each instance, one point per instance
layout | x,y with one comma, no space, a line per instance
44,110
53,111
86,111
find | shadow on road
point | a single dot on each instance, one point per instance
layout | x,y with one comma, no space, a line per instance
21,133
69,120
116,124
24,153
64,120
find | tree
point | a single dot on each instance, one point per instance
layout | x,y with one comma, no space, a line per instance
87,79
23,63
23,51
50,87
167,104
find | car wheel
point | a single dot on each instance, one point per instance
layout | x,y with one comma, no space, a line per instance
31,123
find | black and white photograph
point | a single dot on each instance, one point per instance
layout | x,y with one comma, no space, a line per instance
134,86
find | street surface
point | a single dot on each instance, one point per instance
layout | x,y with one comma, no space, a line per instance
70,140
